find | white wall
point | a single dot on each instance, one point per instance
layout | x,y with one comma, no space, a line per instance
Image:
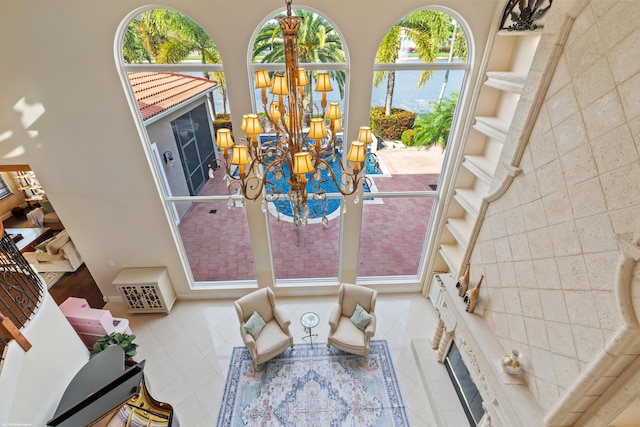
85,147
32,382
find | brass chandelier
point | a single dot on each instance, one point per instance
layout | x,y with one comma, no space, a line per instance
293,162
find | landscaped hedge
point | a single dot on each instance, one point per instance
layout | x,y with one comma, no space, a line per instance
391,127
222,121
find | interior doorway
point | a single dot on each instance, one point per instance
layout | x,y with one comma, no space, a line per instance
29,218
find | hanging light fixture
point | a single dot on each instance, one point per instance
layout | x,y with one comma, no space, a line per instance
293,162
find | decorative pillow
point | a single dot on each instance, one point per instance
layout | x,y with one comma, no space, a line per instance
254,325
42,247
360,317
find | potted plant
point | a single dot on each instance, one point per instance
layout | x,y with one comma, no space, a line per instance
116,338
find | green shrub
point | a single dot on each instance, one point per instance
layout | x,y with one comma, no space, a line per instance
391,127
116,338
407,136
434,128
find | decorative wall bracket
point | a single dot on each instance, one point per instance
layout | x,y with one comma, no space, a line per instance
520,15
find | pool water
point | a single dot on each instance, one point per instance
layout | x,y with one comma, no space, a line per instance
328,186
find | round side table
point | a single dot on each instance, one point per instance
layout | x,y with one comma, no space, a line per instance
309,321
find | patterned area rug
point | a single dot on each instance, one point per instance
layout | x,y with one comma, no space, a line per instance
313,387
51,278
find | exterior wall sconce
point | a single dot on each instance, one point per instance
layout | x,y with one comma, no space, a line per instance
168,158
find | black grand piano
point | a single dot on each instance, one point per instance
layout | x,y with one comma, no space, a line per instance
104,394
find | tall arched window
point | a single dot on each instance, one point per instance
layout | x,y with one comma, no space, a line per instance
420,70
175,78
310,252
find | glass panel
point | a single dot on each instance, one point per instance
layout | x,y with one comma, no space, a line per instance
393,232
407,170
409,40
203,133
407,94
311,252
318,41
216,241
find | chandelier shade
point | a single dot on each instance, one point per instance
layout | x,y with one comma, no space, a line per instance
240,155
223,138
323,83
301,152
364,135
302,163
253,126
279,85
334,111
262,79
317,130
303,79
357,154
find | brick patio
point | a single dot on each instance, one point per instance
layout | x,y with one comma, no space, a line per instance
218,246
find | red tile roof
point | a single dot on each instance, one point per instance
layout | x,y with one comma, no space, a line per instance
158,92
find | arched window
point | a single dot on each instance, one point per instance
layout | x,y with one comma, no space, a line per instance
421,67
321,52
175,78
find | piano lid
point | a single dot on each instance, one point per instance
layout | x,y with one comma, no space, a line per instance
100,386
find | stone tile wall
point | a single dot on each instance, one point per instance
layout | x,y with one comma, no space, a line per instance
547,248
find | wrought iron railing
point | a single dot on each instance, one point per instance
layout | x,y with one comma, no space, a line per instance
21,290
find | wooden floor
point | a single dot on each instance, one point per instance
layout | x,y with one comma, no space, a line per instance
79,284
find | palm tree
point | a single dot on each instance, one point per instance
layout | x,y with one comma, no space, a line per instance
133,50
435,127
428,29
458,50
318,42
387,53
169,37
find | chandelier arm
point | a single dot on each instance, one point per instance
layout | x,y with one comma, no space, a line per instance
252,183
354,179
278,162
276,152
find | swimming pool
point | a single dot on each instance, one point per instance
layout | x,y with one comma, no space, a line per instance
326,185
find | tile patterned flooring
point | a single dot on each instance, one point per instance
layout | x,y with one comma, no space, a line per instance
188,352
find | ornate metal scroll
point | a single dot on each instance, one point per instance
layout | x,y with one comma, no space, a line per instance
20,286
520,15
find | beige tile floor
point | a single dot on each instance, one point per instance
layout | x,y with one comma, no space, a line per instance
187,352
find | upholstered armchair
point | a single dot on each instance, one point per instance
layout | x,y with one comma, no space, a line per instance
265,333
351,328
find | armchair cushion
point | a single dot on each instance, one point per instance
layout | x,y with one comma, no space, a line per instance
254,325
54,246
42,247
360,317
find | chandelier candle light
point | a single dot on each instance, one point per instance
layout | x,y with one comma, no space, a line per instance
303,155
